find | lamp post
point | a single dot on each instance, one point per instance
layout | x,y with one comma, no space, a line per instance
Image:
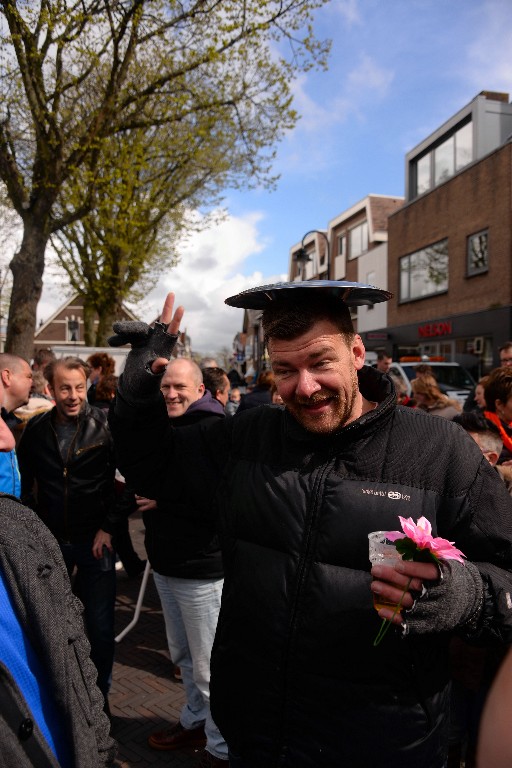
302,256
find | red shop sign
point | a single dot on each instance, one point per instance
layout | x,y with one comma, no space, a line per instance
442,328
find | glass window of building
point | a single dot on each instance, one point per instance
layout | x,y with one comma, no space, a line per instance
463,146
452,154
478,253
444,160
73,328
358,237
425,272
340,258
423,177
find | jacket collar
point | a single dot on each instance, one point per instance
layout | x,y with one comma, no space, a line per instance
206,404
84,413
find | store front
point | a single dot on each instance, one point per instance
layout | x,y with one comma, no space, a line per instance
472,340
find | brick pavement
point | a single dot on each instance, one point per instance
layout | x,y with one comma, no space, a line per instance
144,695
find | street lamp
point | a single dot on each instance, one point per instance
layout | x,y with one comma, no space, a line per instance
302,256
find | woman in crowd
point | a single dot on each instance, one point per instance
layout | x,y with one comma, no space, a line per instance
105,391
498,399
480,394
429,398
101,364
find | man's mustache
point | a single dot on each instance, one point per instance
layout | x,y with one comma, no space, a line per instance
316,397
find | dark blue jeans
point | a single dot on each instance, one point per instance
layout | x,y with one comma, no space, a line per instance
97,591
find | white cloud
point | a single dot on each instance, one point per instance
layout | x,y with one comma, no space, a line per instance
369,79
313,114
311,146
349,10
210,270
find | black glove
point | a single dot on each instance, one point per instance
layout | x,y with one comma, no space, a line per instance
138,382
455,600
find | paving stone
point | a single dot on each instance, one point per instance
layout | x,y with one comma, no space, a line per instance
144,696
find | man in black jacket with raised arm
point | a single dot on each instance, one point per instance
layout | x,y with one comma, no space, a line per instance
296,680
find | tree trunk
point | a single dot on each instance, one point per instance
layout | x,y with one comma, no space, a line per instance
89,317
107,317
27,268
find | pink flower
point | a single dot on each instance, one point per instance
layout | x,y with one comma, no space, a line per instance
421,534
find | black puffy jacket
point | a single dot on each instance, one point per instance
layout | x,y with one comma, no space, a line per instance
179,541
296,681
75,498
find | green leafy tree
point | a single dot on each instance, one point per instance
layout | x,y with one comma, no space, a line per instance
76,73
121,247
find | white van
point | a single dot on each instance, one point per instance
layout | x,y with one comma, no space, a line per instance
118,353
453,380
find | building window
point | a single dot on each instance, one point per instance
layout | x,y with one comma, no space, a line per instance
358,238
451,154
73,331
341,245
424,273
339,267
423,174
464,146
478,253
444,160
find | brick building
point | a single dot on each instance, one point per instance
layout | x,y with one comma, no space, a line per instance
444,251
352,248
450,245
66,326
64,332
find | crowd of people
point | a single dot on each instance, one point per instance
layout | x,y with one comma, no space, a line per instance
487,418
257,498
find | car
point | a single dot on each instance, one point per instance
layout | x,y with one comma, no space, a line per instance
453,380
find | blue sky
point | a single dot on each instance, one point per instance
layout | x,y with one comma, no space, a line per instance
397,71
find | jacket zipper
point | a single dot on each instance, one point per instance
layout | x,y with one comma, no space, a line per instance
65,475
88,448
315,505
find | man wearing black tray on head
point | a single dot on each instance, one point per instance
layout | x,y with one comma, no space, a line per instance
296,680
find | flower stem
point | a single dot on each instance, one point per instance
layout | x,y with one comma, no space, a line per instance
386,623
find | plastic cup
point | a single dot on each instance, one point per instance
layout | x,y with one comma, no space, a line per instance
382,552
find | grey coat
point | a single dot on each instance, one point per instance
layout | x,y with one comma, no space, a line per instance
50,614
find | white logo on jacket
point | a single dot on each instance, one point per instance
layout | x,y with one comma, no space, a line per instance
389,494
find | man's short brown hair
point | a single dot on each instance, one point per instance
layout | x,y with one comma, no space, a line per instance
69,363
287,319
215,379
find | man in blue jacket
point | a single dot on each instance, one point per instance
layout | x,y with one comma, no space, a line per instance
51,712
16,378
